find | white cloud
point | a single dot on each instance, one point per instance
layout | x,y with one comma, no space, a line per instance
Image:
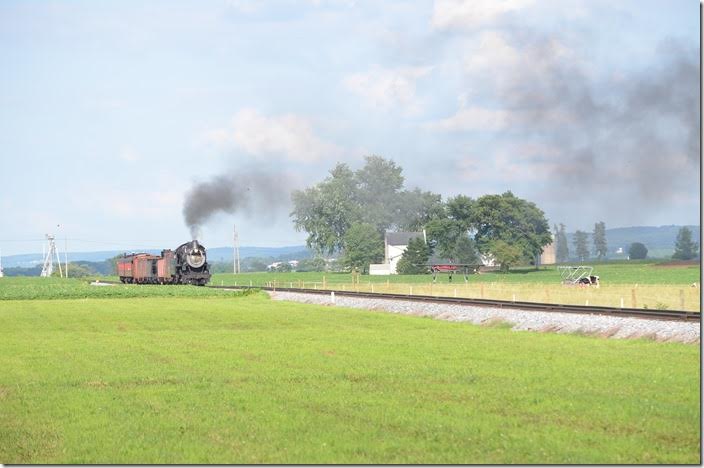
131,203
497,66
473,118
495,58
244,6
288,135
129,155
388,88
469,14
528,161
516,161
495,120
490,51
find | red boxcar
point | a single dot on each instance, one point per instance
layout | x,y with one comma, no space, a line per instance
166,266
138,268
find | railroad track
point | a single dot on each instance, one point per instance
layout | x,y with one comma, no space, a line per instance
678,315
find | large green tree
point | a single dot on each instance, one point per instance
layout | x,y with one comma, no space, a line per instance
378,187
460,209
415,258
464,250
581,245
637,251
446,232
506,254
416,208
685,248
514,222
599,239
363,245
327,210
371,195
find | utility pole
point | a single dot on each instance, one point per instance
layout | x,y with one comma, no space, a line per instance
66,253
1,273
235,250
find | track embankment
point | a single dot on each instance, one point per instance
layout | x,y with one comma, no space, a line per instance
604,325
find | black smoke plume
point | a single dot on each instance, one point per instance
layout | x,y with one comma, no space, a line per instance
626,144
253,193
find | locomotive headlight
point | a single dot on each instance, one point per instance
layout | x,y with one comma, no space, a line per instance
195,258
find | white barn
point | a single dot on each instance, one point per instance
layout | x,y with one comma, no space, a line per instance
395,244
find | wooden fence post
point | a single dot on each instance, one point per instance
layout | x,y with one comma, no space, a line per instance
634,303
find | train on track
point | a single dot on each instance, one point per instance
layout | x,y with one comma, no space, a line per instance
187,264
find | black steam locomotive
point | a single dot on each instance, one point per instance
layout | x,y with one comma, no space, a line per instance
186,265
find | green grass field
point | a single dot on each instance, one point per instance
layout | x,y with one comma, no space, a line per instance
242,379
60,288
639,284
610,273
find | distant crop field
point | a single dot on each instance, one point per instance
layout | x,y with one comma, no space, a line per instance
627,284
610,273
72,288
247,380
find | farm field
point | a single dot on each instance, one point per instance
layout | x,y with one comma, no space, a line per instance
73,288
243,379
637,284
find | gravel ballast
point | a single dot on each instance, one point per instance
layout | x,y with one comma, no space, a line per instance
522,320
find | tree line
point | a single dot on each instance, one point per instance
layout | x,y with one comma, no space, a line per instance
685,247
581,243
350,211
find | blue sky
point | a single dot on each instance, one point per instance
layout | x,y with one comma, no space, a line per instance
111,111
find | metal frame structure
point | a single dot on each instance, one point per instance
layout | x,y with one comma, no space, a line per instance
48,267
573,274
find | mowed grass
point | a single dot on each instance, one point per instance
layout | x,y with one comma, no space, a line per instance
248,380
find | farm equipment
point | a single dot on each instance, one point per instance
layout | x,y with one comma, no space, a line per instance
452,268
578,275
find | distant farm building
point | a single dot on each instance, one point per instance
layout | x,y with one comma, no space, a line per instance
277,265
395,244
548,257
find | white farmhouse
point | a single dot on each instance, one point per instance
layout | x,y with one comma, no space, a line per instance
395,244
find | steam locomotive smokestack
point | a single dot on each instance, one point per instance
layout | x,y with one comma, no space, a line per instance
254,193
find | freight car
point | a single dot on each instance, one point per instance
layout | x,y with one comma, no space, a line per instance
186,265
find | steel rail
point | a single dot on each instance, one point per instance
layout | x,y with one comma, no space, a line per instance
678,315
